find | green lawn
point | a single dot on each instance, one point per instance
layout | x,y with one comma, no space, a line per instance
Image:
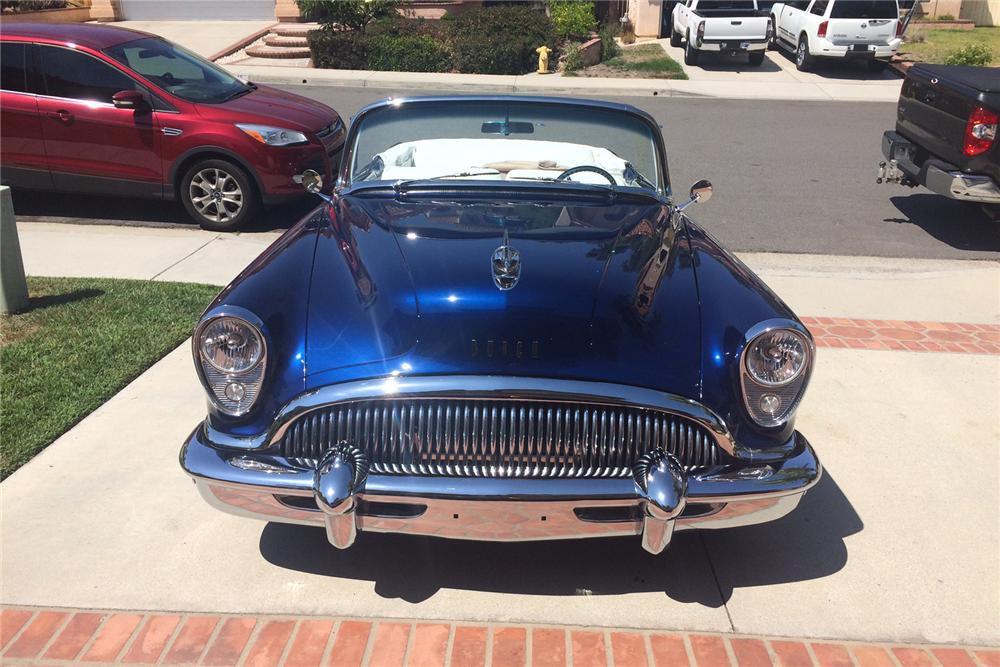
642,60
81,341
937,44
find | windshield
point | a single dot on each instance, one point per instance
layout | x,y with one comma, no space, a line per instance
864,9
474,140
178,71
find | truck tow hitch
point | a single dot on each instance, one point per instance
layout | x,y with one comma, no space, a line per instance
890,173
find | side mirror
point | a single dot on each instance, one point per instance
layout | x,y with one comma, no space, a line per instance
700,192
128,99
310,180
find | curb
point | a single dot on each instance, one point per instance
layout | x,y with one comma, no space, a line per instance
52,636
554,84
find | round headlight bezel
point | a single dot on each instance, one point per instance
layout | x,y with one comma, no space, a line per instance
256,337
789,391
753,347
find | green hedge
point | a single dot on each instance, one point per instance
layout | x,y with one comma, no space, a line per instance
492,40
573,19
501,39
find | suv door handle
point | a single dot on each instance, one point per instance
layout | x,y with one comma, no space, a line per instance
61,114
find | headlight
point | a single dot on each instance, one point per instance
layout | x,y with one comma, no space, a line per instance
776,357
231,355
273,136
774,370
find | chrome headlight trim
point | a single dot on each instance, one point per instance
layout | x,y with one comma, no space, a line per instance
789,392
215,380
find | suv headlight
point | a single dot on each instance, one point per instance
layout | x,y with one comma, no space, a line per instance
273,136
774,370
231,355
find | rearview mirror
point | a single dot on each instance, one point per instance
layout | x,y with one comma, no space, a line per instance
128,99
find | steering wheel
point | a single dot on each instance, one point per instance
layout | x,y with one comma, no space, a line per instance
586,167
168,78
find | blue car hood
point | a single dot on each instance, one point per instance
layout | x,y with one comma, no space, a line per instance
605,293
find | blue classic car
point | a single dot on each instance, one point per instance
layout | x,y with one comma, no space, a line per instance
501,326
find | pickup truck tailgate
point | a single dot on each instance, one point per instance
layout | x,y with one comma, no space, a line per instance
934,107
745,28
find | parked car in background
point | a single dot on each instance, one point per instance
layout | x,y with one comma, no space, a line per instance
101,109
493,331
868,30
946,133
726,26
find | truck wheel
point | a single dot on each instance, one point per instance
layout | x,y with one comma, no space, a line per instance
803,61
219,195
772,44
675,39
690,53
756,58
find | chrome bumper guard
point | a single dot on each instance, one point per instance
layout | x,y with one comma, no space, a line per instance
936,175
342,496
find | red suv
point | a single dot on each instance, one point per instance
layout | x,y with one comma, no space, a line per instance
99,109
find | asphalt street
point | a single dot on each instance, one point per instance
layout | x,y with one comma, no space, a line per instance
796,177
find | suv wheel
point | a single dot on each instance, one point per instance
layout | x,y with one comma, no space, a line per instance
803,61
772,44
675,39
219,195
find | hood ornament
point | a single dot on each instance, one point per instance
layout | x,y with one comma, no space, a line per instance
506,265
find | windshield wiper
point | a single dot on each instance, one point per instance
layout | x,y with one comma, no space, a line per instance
239,93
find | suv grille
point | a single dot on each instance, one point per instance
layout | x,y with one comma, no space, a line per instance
497,438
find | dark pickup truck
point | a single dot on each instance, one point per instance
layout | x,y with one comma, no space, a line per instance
946,133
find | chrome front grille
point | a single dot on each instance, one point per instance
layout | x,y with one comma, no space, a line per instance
497,438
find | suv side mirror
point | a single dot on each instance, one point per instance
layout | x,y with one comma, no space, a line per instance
128,99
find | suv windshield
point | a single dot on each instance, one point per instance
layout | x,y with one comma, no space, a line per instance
864,9
178,71
476,140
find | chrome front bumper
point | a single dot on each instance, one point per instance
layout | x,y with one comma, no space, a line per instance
340,495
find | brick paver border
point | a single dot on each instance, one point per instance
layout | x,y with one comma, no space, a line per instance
42,636
904,336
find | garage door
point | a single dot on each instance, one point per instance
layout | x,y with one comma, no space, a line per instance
198,10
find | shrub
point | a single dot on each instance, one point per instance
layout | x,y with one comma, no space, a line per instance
349,14
573,19
573,61
977,55
338,49
609,47
946,17
16,6
407,53
500,39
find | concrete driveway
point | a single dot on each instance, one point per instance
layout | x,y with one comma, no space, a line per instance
898,542
206,38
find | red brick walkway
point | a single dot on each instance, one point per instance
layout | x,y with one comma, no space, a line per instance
55,636
963,337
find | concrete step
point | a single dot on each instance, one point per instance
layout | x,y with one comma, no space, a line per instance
286,41
277,52
294,29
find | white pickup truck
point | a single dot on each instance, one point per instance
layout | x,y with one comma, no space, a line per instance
868,30
726,26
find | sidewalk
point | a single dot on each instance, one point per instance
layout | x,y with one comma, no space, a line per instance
555,84
50,636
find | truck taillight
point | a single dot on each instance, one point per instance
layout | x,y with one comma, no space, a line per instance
701,32
899,28
822,28
980,131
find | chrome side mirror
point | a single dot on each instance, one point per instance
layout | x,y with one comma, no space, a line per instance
700,192
310,180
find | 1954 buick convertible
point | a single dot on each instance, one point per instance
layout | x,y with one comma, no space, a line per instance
501,325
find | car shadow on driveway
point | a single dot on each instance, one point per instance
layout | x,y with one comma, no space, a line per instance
79,209
961,225
702,567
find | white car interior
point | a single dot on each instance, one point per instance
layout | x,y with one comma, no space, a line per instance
498,159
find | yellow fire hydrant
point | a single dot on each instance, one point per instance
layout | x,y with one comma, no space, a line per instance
543,59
